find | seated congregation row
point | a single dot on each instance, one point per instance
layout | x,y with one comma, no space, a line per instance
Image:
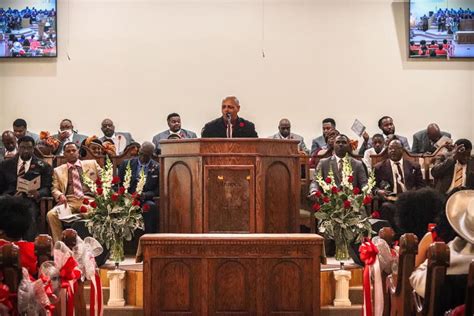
229,125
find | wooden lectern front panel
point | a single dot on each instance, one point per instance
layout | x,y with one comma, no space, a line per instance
278,207
180,210
228,199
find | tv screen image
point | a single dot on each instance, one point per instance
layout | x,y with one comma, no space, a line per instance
28,28
441,29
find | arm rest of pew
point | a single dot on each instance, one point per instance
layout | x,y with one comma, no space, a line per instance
398,284
438,262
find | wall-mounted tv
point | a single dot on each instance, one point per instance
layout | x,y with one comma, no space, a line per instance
441,29
28,28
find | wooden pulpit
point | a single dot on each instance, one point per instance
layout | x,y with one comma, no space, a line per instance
231,274
229,185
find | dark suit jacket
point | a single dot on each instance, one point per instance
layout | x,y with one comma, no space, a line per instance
326,164
443,172
422,144
217,128
411,173
152,183
8,177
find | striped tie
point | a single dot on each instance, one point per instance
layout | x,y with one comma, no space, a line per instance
21,172
76,183
458,177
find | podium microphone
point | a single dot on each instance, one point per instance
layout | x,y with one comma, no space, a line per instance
228,116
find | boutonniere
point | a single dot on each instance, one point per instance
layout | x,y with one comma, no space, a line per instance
241,124
32,166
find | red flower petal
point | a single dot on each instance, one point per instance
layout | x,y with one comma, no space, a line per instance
356,190
316,207
146,208
85,201
83,209
100,191
328,180
93,204
376,214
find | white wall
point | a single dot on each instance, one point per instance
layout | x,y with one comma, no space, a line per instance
136,61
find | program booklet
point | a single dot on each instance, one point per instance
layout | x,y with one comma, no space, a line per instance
28,183
358,128
65,214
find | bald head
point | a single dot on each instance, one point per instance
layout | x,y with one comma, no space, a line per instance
9,140
284,127
146,152
433,131
107,127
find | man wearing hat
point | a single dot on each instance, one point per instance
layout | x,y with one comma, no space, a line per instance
460,214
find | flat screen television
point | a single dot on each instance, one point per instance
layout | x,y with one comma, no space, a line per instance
441,29
28,28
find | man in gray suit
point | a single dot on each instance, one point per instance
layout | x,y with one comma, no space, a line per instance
20,129
320,141
120,139
424,141
8,146
174,131
334,163
67,134
284,132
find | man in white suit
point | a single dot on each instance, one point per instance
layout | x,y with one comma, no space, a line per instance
68,187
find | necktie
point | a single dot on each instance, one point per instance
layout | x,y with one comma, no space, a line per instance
339,166
76,183
458,176
21,172
400,180
229,130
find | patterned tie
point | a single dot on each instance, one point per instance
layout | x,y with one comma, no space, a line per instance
339,166
76,183
21,172
458,176
400,180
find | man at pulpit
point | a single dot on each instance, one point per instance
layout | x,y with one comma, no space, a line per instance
230,125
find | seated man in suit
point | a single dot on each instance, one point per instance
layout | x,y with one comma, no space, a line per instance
284,132
120,139
385,123
20,129
460,214
67,134
424,141
174,124
320,142
334,163
26,164
8,148
394,176
229,125
455,169
68,186
151,189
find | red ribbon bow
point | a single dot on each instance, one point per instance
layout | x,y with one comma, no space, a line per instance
368,254
69,275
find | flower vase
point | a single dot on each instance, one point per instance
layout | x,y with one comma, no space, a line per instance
342,250
116,253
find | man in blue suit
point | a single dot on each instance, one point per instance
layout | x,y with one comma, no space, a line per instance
151,189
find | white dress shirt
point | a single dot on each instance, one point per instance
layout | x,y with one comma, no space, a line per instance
20,162
396,176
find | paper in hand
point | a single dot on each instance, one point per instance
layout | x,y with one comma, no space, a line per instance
358,128
28,183
65,214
